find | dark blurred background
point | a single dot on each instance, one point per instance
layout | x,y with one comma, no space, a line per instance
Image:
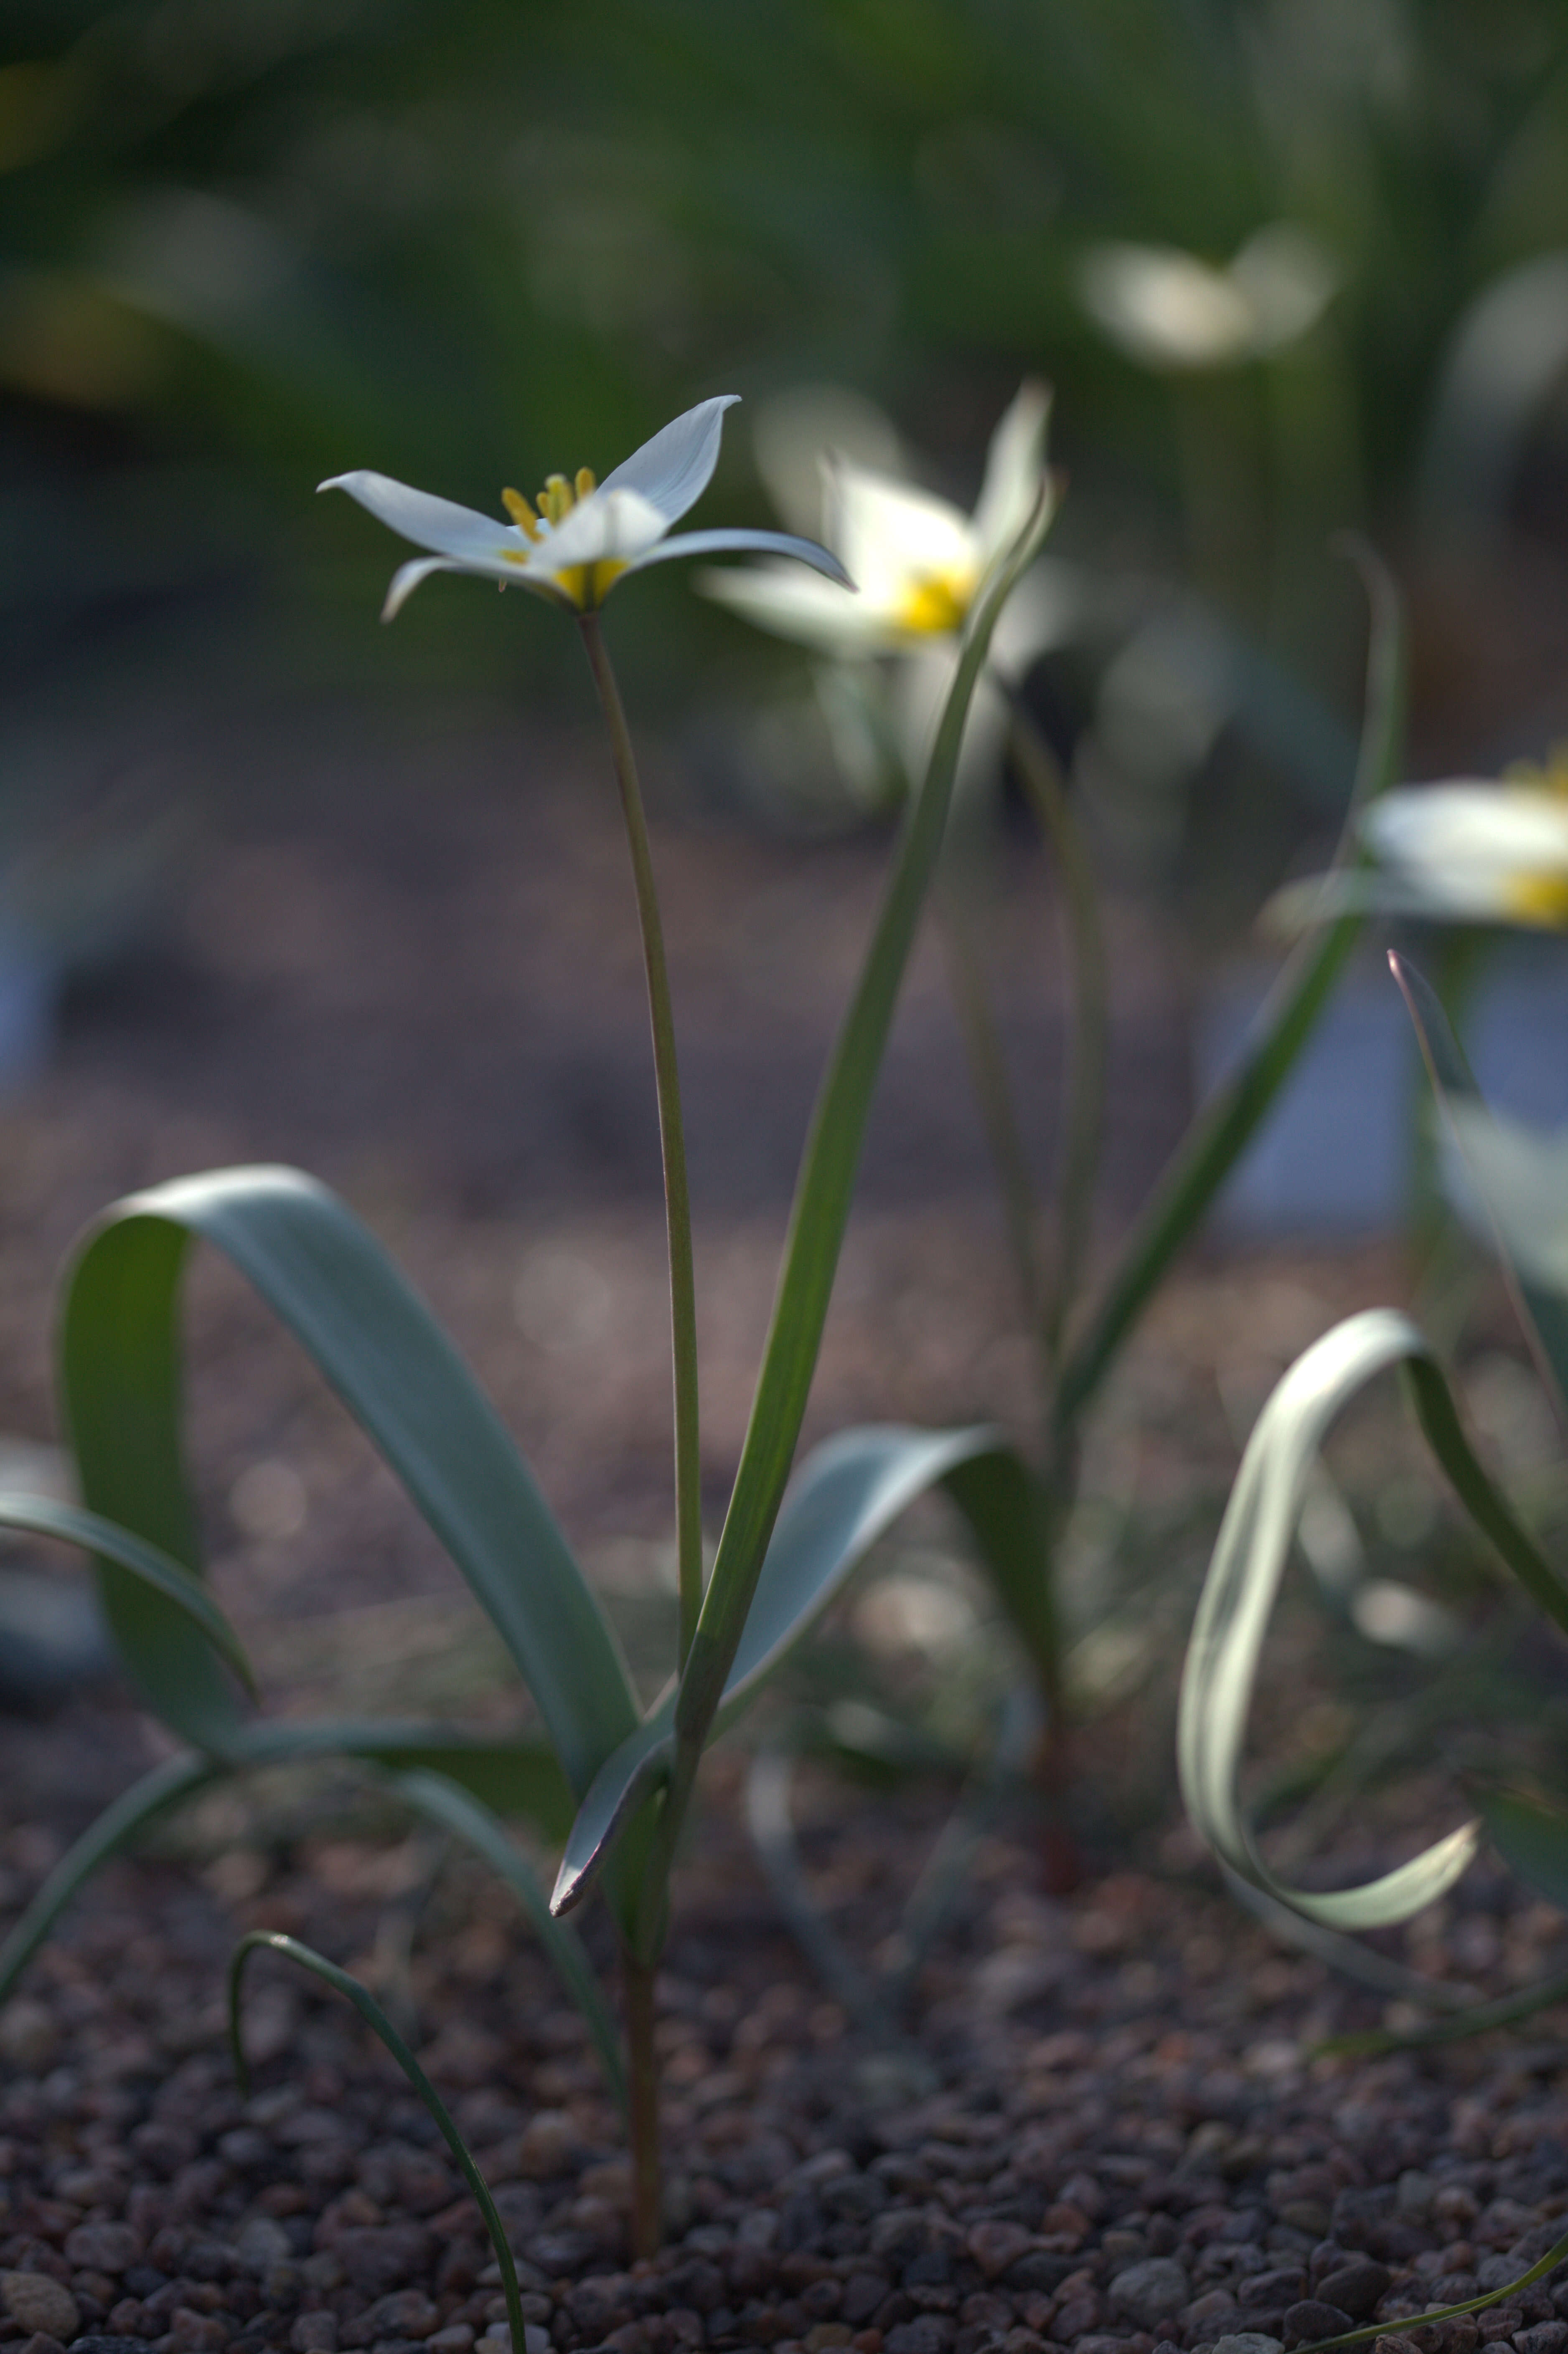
245,244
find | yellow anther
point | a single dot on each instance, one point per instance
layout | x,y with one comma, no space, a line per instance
587,480
556,499
936,604
521,512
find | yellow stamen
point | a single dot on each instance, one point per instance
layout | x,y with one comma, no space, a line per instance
936,603
521,512
556,499
587,480
1537,899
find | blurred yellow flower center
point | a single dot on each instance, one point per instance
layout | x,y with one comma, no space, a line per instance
583,585
937,603
1539,899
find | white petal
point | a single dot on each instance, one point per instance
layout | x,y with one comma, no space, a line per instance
1014,467
406,578
437,524
1044,610
673,470
742,542
891,535
1467,841
1166,308
798,605
614,523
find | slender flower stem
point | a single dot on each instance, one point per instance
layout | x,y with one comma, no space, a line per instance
993,1095
673,1141
643,2110
1086,1087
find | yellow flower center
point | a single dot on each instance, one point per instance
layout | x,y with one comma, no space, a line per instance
1539,899
582,584
937,603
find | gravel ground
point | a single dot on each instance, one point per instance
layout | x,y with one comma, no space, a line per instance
1104,2129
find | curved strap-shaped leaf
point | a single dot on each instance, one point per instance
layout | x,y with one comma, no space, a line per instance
444,1802
136,1560
168,1784
370,2010
826,1183
326,1278
846,1494
512,1778
1249,1558
1531,1839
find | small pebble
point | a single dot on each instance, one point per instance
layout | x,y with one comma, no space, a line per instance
39,2304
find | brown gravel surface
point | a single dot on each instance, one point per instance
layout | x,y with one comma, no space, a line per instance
1104,2128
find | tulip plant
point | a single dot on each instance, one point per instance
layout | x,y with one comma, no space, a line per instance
1508,1181
919,559
620,1782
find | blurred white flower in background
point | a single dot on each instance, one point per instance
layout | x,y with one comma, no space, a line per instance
918,560
1168,310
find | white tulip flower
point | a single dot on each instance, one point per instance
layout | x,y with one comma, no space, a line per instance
576,541
1477,852
917,560
1471,850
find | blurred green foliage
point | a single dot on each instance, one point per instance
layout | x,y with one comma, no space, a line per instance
248,243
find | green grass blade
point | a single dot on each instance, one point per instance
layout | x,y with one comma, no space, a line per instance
1249,1559
1481,2019
328,1280
370,2010
444,1802
1548,2264
826,1183
43,1516
168,1784
1227,1123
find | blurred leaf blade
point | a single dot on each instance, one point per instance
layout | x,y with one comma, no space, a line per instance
326,1279
1224,1126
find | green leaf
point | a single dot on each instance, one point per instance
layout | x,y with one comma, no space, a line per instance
441,1800
136,1560
290,1949
640,1766
1249,1559
1533,1841
846,1494
1227,1123
826,1184
512,1778
324,1275
1510,1182
168,1784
